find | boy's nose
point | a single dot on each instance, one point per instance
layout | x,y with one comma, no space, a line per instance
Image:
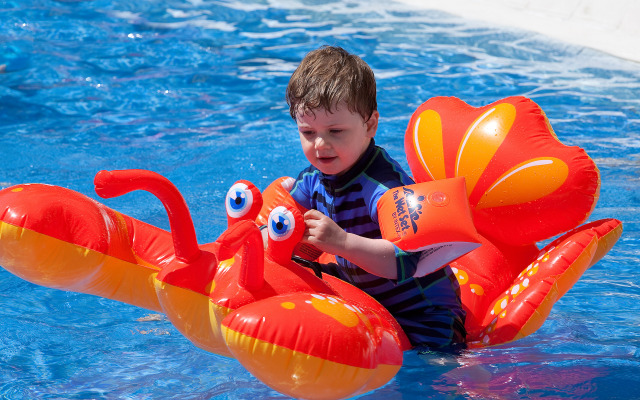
321,142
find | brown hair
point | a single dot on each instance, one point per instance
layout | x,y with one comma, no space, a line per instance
329,75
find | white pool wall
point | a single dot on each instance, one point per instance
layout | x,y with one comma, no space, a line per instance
611,26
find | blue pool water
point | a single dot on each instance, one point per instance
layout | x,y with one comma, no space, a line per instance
194,89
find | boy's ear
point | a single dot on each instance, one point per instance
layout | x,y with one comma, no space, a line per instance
372,124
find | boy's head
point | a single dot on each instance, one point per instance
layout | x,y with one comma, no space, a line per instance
328,76
332,98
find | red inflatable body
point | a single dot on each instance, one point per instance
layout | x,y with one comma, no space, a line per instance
323,338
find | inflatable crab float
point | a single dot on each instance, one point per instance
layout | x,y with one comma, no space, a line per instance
491,183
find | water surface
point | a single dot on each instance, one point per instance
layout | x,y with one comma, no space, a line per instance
195,91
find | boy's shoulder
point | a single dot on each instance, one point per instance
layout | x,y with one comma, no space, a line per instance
386,171
309,173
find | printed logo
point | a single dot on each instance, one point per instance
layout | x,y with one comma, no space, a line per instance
408,210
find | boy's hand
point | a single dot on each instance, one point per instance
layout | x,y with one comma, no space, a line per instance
323,232
376,256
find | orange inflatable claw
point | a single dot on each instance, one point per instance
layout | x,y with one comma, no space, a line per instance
523,186
517,171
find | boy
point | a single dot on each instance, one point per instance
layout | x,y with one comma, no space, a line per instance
332,98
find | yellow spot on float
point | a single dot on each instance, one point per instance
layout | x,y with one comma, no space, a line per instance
519,288
500,305
210,287
335,309
18,189
462,276
476,289
288,305
531,270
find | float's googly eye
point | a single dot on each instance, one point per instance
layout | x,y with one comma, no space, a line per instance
239,200
281,223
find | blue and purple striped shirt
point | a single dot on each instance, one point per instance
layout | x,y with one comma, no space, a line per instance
428,308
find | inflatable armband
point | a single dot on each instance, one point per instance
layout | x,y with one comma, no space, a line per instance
432,218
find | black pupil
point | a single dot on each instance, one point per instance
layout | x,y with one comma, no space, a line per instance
279,225
238,200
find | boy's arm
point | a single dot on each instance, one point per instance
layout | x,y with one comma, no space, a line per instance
376,256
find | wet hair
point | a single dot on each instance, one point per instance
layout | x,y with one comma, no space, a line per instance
329,75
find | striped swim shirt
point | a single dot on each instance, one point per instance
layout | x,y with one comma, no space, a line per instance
428,308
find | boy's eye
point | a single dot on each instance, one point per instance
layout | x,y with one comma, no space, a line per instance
307,133
335,131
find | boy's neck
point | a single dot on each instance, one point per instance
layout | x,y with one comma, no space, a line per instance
338,181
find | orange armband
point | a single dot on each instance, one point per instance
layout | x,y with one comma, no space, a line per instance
431,217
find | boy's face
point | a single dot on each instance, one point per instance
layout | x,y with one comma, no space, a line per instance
333,142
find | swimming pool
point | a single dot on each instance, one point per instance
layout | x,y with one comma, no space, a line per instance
194,90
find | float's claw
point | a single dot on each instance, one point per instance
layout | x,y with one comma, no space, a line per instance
523,186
